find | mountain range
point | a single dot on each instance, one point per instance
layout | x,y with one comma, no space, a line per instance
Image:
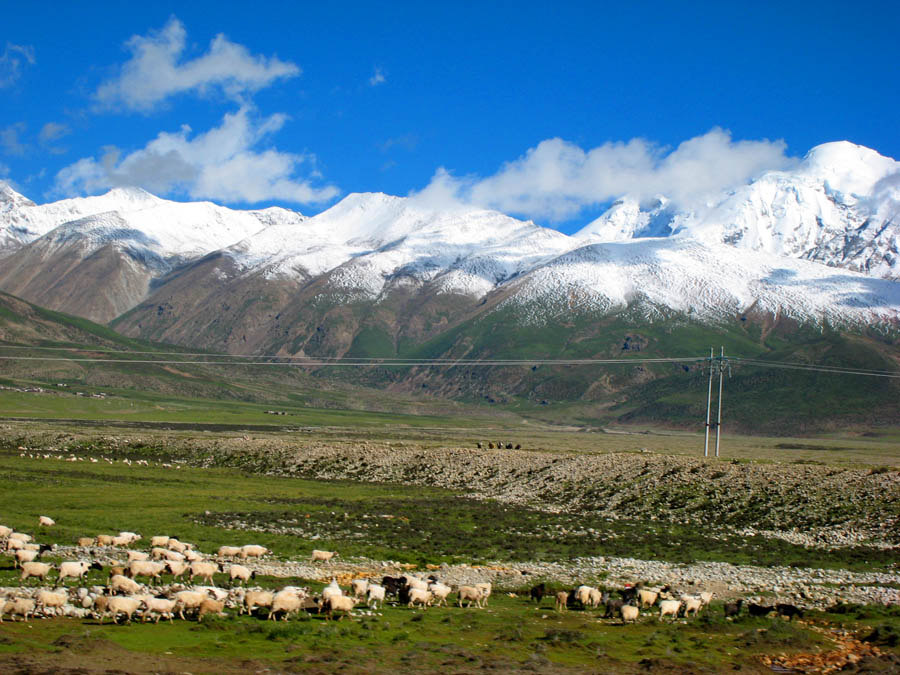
813,248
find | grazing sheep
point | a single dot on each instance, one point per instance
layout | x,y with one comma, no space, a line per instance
241,573
229,552
647,597
177,567
419,597
15,545
375,593
160,541
104,540
706,597
132,537
692,604
193,556
137,555
253,551
210,606
440,592
629,613
470,594
669,608
485,589
732,609
38,570
120,583
562,601
161,607
331,589
175,556
5,531
76,570
324,556
588,596
287,601
23,555
538,592
19,536
205,570
46,521
45,599
145,568
175,545
86,542
254,599
360,587
20,606
188,600
338,603
789,611
759,610
122,605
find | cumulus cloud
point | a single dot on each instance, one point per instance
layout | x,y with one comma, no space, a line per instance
156,71
377,78
53,131
10,141
222,164
558,179
12,62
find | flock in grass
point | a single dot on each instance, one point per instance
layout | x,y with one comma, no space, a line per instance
124,597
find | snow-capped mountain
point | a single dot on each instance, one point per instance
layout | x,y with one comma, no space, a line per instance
839,206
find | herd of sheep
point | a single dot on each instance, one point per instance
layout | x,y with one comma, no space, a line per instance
124,596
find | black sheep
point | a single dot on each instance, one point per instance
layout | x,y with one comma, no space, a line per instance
758,610
733,608
790,611
538,592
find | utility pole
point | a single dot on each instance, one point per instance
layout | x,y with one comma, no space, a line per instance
719,417
708,404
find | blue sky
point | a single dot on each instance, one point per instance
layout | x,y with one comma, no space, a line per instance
544,111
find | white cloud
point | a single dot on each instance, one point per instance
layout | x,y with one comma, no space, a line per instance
377,78
11,62
9,139
222,164
53,131
558,179
156,71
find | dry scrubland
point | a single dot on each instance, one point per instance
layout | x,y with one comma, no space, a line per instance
811,522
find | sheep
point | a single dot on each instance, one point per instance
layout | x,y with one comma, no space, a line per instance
338,603
174,556
470,594
253,551
5,531
137,555
588,596
789,611
132,537
193,556
360,587
485,589
538,592
14,544
240,572
287,601
647,597
113,571
204,570
331,589
22,606
175,545
392,585
562,600
46,521
145,568
177,567
38,570
375,593
229,552
45,599
324,556
120,583
124,605
692,604
158,553
732,609
759,610
255,599
19,536
613,606
159,541
417,584
188,600
160,607
23,556
104,540
419,597
210,606
629,613
440,592
121,541
669,608
76,570
85,542
706,597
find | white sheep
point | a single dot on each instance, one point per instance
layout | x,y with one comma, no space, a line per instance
23,555
104,540
416,583
188,600
254,599
241,573
375,594
21,606
331,589
647,597
45,599
360,587
119,583
160,541
177,567
46,521
630,613
145,568
706,597
669,608
692,604
86,542
419,597
323,556
76,570
38,570
229,551
338,603
287,601
204,570
440,592
161,607
485,589
138,555
470,594
193,556
126,605
253,551
19,536
175,545
5,531
15,544
210,606
562,601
